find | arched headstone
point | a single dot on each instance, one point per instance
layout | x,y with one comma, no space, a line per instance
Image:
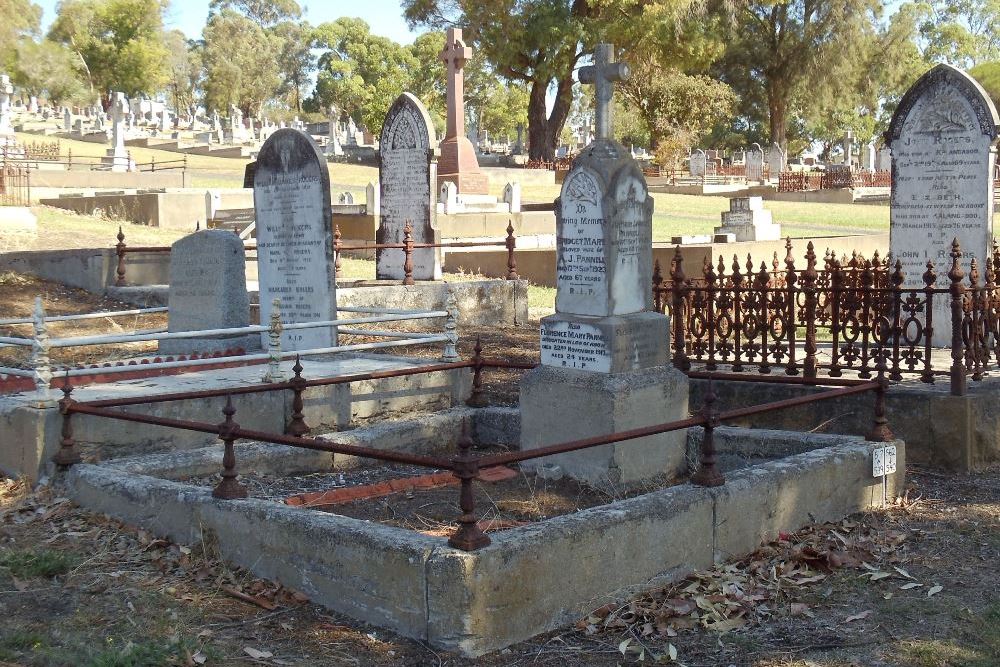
407,177
942,138
291,198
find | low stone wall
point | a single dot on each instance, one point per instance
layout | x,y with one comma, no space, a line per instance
501,303
92,269
172,178
538,265
169,210
942,431
519,585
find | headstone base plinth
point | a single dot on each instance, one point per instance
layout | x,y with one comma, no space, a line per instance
249,343
560,404
116,161
615,344
459,165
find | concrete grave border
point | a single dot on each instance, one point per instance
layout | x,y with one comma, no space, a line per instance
530,579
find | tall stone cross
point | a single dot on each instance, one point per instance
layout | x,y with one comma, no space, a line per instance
454,55
602,74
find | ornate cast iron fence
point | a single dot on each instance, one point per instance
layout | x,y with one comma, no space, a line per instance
769,319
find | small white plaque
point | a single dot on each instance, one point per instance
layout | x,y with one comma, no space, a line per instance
884,461
574,345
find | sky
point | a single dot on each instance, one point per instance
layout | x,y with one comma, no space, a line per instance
384,16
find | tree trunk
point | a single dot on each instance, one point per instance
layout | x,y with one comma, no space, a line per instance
539,147
543,131
777,105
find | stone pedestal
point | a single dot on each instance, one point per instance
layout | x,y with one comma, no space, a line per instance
458,164
617,344
748,220
558,405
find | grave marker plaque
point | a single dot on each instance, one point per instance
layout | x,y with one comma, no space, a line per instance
291,193
406,179
943,157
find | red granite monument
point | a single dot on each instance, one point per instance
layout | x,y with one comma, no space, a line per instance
457,162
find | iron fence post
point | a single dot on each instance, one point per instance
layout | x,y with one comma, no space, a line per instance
67,454
450,352
229,488
708,473
678,290
337,243
297,425
809,277
274,372
120,252
476,398
957,290
511,244
657,283
469,536
930,279
408,253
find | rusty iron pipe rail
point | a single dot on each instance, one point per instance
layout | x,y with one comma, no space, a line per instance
701,420
776,379
275,438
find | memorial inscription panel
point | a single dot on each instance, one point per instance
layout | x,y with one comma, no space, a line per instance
295,255
581,278
575,345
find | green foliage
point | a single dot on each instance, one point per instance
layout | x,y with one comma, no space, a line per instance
265,13
959,32
47,68
18,18
678,109
785,53
362,73
241,63
185,69
27,563
120,42
988,76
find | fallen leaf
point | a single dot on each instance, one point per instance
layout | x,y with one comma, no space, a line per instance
934,590
728,624
858,616
880,575
902,571
623,647
912,584
801,609
257,654
199,658
672,652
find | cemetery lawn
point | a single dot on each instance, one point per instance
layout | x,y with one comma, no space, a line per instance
59,229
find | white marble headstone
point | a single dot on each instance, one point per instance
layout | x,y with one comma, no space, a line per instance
943,157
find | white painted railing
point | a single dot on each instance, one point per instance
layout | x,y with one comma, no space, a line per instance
41,344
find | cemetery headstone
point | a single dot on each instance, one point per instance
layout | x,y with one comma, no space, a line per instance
748,220
291,196
407,179
458,162
6,91
333,146
849,148
373,200
775,161
697,163
868,156
117,156
604,351
942,137
208,290
67,120
883,159
512,196
755,164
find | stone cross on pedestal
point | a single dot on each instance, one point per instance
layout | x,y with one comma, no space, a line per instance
454,55
602,74
458,163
